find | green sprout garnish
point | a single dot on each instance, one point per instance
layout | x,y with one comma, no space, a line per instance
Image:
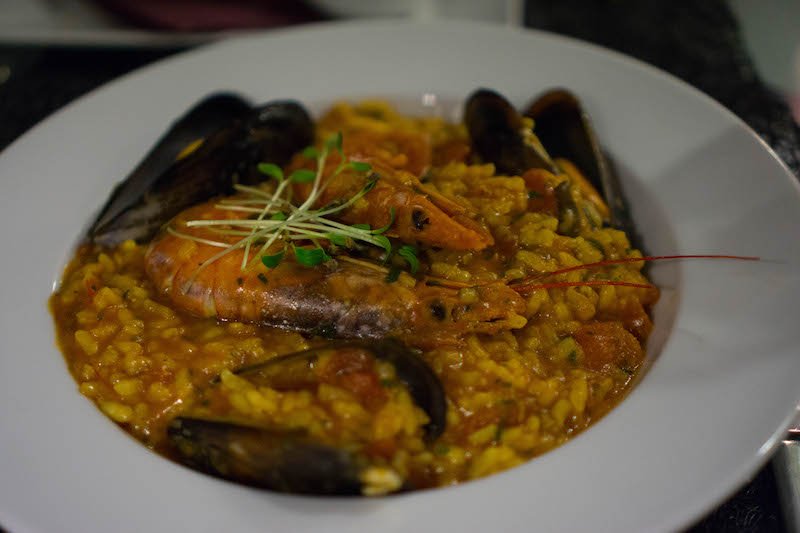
409,253
271,261
276,226
310,256
361,166
392,275
271,169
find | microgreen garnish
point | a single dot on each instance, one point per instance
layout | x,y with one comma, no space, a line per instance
277,224
334,142
383,241
361,166
310,152
393,274
303,175
271,169
310,256
271,261
387,226
339,240
409,253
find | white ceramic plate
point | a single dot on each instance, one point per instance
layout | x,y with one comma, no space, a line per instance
715,400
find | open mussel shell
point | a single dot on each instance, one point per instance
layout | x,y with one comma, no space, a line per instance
495,130
288,460
272,459
234,138
206,117
563,129
296,369
566,131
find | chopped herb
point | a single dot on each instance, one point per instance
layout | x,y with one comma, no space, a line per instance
262,278
409,253
441,449
597,244
572,357
533,194
592,217
517,217
498,434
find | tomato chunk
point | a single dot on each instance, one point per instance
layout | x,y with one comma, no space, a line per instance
609,344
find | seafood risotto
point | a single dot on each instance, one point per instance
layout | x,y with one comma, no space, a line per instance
361,305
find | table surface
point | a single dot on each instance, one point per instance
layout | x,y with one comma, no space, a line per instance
699,43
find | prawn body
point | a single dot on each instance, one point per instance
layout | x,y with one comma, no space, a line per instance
336,299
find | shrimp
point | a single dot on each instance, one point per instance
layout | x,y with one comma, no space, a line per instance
337,298
417,214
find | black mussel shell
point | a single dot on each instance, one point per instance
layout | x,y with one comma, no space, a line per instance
229,153
495,130
205,118
289,460
277,460
566,131
294,370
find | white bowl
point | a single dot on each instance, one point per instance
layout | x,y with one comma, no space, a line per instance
721,385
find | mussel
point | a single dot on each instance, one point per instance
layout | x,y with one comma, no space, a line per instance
289,460
563,129
282,461
234,137
496,133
